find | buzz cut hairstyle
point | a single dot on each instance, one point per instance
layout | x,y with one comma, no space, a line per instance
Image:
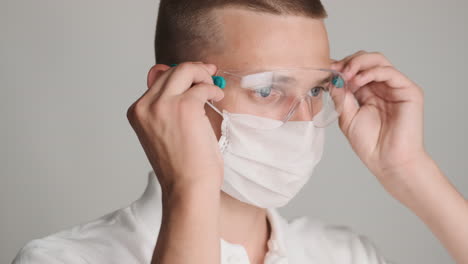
187,30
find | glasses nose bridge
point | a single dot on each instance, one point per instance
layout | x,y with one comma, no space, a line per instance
301,110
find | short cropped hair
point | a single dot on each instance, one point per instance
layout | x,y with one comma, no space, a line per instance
186,29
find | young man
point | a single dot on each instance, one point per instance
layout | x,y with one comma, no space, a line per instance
223,166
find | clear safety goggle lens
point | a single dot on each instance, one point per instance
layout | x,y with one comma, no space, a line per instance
301,94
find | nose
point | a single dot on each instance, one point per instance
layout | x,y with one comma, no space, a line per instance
302,111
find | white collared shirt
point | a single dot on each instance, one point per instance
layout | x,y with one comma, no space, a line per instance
129,236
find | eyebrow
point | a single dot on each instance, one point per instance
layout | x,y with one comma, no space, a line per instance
284,79
288,80
326,79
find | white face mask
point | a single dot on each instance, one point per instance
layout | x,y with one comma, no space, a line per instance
267,167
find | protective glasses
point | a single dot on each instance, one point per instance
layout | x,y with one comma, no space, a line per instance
293,94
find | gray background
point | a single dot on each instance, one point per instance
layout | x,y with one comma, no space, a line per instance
70,69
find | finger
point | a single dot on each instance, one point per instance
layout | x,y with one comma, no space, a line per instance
335,65
339,65
202,92
159,85
363,62
186,75
157,70
350,108
363,95
387,74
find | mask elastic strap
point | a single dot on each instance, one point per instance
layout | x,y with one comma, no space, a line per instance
214,108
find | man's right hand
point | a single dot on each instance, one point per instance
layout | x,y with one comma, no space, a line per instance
177,137
171,124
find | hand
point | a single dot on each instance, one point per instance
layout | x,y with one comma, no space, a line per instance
176,135
385,128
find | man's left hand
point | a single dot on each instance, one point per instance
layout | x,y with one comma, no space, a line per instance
382,116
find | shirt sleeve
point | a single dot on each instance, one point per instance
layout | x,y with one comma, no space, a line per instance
347,246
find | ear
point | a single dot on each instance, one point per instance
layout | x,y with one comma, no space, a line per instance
155,72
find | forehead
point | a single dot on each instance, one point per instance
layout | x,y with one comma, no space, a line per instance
256,40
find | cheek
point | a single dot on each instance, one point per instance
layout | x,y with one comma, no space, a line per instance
317,106
215,120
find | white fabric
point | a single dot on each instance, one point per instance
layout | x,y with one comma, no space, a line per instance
129,236
268,167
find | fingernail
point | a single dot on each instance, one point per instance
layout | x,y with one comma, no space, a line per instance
211,67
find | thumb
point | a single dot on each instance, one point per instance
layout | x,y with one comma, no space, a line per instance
204,92
350,109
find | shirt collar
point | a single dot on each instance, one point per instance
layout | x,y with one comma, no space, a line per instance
144,209
279,225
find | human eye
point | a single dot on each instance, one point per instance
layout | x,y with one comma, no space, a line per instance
267,91
316,91
263,91
265,94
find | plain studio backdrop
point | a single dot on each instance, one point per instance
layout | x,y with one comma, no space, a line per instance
70,69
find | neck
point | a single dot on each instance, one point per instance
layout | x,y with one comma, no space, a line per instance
245,225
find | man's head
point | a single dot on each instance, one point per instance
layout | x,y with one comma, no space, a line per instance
248,36
242,35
